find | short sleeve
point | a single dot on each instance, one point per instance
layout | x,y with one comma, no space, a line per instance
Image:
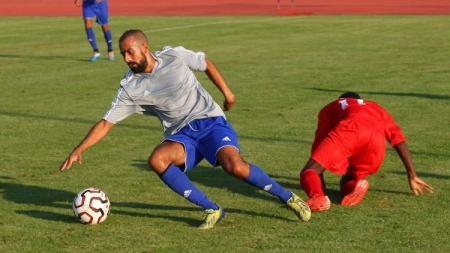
121,107
392,131
194,60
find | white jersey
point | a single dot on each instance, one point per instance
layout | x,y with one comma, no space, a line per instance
171,92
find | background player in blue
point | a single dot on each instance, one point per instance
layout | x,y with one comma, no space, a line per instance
97,9
163,84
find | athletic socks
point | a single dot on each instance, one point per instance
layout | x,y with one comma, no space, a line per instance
348,185
91,38
311,183
109,41
260,179
180,183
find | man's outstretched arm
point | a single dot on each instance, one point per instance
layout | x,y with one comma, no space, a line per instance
417,185
97,132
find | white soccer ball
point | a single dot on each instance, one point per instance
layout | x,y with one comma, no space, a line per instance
91,206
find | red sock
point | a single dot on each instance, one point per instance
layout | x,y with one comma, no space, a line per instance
311,183
348,186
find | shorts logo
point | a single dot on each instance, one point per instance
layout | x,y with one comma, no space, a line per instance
226,138
187,193
267,187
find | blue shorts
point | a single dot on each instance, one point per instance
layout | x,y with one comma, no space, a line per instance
93,9
203,138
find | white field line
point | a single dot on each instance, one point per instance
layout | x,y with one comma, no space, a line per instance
19,35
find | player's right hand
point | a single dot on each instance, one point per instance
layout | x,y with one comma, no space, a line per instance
419,187
73,157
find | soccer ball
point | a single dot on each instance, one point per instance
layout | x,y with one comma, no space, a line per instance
91,206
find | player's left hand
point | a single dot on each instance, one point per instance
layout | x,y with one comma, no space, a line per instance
228,103
419,187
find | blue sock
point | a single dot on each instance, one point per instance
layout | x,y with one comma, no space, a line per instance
91,38
180,183
261,180
108,38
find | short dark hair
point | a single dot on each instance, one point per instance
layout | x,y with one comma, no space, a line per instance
136,33
350,94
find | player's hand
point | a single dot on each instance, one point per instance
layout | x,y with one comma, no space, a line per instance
73,157
78,3
419,187
228,103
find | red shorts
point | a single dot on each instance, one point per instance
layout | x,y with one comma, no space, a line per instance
353,147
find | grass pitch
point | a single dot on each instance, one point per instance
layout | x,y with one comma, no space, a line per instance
282,70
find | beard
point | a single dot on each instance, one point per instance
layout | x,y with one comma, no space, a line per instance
141,66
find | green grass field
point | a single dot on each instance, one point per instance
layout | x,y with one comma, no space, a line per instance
282,70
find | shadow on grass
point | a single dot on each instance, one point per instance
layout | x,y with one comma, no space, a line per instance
36,195
397,94
53,198
76,120
58,217
35,57
50,216
130,126
423,175
118,208
216,177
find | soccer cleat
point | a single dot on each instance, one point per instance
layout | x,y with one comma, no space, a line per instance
300,208
318,203
95,56
211,217
111,56
352,199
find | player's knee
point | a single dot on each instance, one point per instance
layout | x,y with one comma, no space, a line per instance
151,162
241,170
156,163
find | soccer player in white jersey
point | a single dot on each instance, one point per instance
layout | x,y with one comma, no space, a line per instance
163,84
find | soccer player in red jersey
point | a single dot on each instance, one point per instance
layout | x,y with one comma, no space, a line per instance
350,140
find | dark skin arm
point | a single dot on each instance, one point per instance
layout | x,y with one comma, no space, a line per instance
417,185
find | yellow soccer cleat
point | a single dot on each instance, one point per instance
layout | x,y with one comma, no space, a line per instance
300,208
211,217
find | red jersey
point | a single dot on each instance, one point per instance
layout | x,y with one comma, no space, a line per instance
357,110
